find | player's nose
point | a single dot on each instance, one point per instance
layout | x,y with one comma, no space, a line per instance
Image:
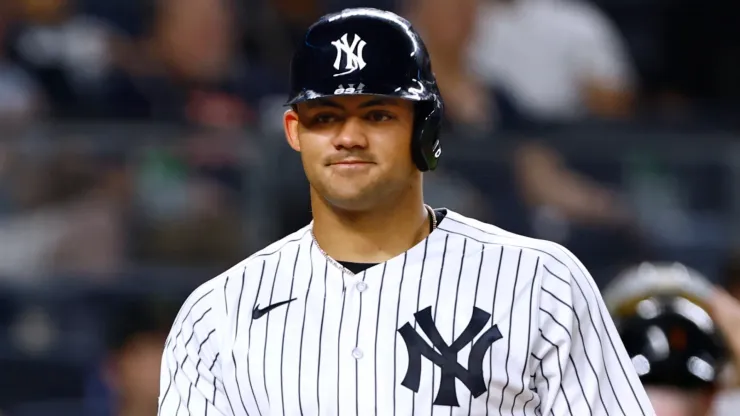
350,135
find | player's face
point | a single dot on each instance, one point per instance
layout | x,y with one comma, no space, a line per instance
356,150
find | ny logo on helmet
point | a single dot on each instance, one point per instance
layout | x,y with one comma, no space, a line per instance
352,54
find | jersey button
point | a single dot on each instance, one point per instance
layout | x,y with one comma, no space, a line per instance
357,353
361,287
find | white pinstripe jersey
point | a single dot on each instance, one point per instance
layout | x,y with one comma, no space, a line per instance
471,321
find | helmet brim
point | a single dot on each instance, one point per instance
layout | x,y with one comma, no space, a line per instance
415,92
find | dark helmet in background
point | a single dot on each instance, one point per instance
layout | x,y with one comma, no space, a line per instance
660,311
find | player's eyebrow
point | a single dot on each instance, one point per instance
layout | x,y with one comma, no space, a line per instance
377,102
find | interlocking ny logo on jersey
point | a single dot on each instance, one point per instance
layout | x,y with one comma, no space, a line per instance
446,358
352,54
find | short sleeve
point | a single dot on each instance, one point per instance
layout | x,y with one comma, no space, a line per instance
583,367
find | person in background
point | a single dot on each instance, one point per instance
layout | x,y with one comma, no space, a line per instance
67,52
680,331
187,68
123,380
130,374
559,61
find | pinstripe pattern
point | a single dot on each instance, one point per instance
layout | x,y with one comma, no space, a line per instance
337,349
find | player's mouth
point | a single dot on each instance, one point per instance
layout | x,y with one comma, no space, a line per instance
350,162
350,166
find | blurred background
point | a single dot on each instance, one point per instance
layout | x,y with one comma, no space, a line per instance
142,153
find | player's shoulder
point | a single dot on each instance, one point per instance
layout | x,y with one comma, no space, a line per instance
553,256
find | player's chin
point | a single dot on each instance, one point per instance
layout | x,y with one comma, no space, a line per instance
350,197
350,181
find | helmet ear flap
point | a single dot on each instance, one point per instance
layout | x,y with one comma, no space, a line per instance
425,145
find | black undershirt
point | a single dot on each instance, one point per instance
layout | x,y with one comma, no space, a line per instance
439,215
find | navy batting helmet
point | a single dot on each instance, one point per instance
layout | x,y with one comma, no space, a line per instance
661,314
369,51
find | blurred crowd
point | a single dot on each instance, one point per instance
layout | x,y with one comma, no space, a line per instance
221,62
141,141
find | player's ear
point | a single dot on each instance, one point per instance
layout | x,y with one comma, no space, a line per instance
290,123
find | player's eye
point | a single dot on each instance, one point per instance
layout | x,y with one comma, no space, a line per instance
324,118
379,116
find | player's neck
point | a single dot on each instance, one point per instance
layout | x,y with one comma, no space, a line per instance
370,236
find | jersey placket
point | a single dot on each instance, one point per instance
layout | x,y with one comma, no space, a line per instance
349,351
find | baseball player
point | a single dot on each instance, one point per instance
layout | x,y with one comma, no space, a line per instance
662,313
383,305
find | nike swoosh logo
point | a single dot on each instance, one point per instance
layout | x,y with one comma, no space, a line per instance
258,313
